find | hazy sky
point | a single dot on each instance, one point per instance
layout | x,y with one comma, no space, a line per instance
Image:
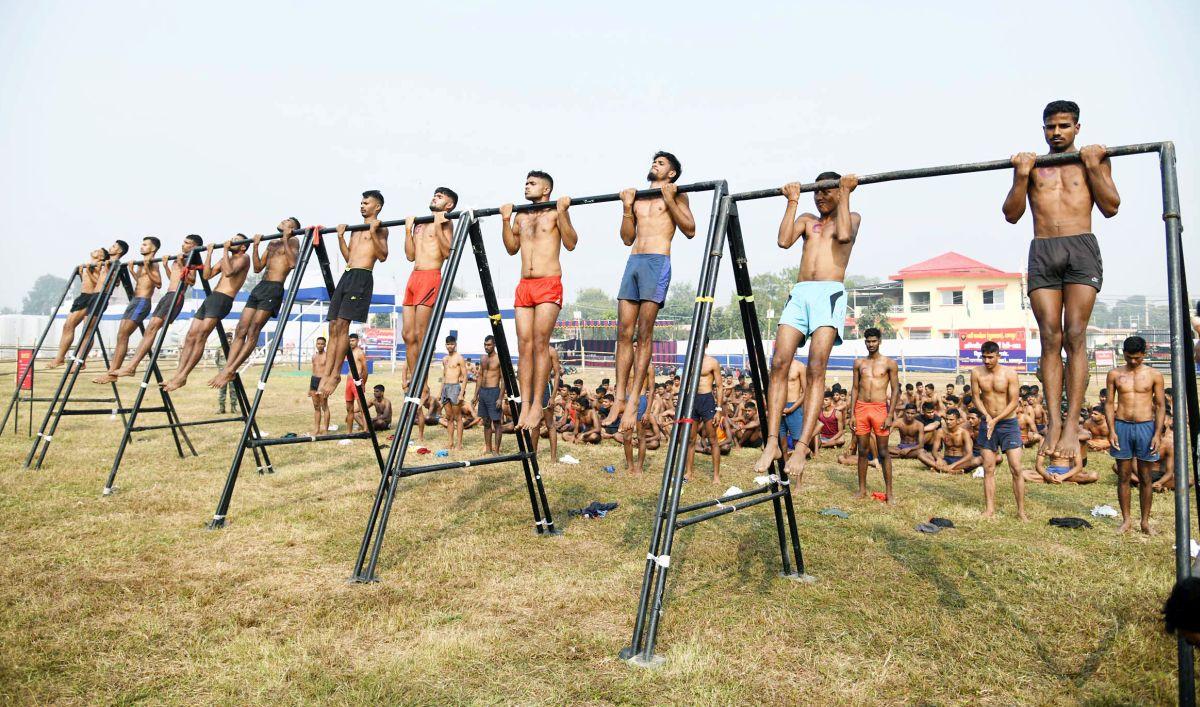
124,119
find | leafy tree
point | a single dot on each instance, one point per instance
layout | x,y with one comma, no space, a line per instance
592,303
44,294
457,292
876,315
681,299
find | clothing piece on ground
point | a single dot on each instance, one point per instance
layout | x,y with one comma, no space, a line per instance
332,428
978,474
835,512
879,496
1070,522
423,450
441,453
942,522
289,435
595,509
610,469
1105,511
568,459
928,528
344,442
731,491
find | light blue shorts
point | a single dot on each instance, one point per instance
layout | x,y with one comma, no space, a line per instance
816,304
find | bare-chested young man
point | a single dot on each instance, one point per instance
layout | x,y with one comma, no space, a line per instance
426,246
912,435
1097,428
264,300
92,276
1050,468
648,225
997,390
454,374
956,454
146,279
874,399
233,267
707,403
170,303
354,411
381,418
792,421
1065,270
320,402
1135,415
816,309
539,236
351,299
489,395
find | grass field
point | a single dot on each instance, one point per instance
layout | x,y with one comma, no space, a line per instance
129,599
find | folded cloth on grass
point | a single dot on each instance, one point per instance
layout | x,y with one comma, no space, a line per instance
1069,522
595,509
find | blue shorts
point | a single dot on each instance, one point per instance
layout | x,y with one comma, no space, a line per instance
705,407
137,310
791,425
1058,470
816,304
1134,439
951,459
1007,436
643,403
488,410
646,279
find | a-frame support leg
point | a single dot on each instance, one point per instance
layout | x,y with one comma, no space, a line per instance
37,348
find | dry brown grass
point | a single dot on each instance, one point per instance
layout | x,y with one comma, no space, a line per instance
129,599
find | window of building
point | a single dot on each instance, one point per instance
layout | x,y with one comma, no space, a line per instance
947,335
918,334
951,298
918,301
993,299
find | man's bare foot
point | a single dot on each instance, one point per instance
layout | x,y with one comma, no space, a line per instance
173,384
533,419
1124,527
628,419
108,377
1023,517
795,467
716,479
124,371
891,500
988,514
859,495
54,364
1067,444
770,453
328,385
614,413
1146,529
221,379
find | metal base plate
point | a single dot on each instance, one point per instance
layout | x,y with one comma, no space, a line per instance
803,578
355,579
109,491
215,524
637,660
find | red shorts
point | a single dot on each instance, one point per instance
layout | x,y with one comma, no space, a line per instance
869,417
422,288
532,291
351,394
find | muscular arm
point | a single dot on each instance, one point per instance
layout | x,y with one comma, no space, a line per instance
1104,190
1013,400
154,274
1160,407
209,268
566,231
379,236
1110,410
628,224
681,212
853,388
343,245
291,251
1018,196
410,243
847,222
894,382
445,237
258,261
511,234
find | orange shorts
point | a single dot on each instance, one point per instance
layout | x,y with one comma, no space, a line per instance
532,291
422,288
869,417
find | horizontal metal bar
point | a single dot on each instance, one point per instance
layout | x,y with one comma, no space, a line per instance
685,522
598,199
966,168
301,439
214,421
414,470
110,411
723,499
73,399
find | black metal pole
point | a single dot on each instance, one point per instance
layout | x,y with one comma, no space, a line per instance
417,470
91,324
385,494
945,170
107,365
251,413
1182,368
761,373
641,647
36,350
542,520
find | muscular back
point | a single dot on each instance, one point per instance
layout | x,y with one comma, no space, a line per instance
540,243
1061,201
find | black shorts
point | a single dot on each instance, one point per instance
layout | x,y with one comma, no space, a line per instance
1067,260
314,382
266,296
163,309
352,298
83,301
215,306
705,407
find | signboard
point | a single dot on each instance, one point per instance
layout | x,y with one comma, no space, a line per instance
1011,341
1106,358
378,342
25,362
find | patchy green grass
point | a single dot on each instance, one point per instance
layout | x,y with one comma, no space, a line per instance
128,598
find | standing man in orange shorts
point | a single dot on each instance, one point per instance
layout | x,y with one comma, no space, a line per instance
354,412
426,245
539,237
870,412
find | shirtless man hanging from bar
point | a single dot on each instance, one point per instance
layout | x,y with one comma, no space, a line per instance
648,225
873,408
233,268
146,279
265,299
351,300
816,309
426,246
166,311
91,277
539,236
1065,270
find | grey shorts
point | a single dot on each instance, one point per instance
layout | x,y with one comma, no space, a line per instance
163,309
451,393
1066,260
